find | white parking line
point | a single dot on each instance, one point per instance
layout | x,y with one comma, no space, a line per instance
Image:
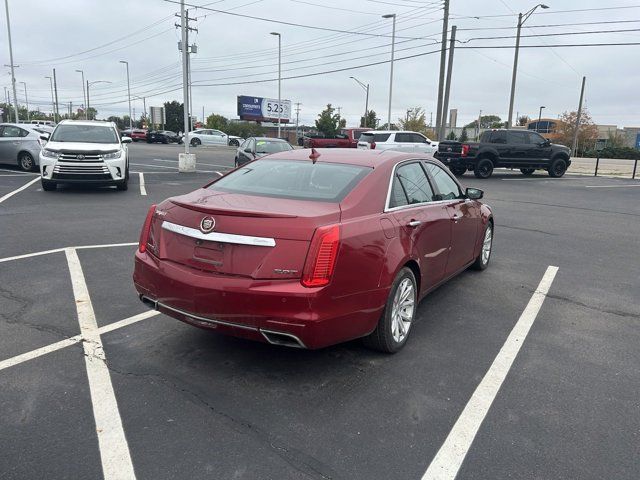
198,163
17,172
56,250
447,462
114,450
143,190
67,342
611,186
18,190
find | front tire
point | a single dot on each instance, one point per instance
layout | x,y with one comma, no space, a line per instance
195,142
234,143
484,168
482,260
527,171
558,168
26,162
47,185
394,325
458,171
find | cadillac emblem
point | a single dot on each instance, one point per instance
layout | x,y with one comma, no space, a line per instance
207,224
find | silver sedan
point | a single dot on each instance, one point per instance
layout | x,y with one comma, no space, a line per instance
20,144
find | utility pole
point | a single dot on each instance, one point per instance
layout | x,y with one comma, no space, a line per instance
26,99
70,108
393,48
279,78
203,119
430,119
575,135
183,46
13,75
479,120
297,118
55,89
128,93
443,56
339,111
53,103
366,102
445,106
84,96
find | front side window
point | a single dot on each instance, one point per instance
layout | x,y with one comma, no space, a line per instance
499,136
518,137
403,137
414,184
535,138
295,179
447,187
84,134
417,138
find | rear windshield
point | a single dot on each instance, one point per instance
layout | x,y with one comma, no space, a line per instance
374,137
265,146
84,133
300,180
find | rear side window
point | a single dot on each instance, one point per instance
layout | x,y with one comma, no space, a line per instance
447,188
11,131
299,180
374,137
410,186
499,136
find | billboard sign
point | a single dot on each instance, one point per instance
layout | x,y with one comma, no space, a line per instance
263,109
157,115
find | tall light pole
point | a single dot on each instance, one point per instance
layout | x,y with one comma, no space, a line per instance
26,99
393,47
539,118
84,95
521,19
366,102
128,91
93,83
53,102
13,75
279,76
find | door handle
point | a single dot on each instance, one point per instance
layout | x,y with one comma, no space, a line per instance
414,223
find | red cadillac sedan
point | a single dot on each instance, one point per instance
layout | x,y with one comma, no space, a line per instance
311,250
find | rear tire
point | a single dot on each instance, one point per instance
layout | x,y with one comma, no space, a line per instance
484,168
458,171
234,143
26,162
394,326
558,168
482,260
195,142
47,185
124,184
527,171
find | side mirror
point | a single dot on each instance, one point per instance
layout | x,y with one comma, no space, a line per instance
45,137
126,140
474,193
248,150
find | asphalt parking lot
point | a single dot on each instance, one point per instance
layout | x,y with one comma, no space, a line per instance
92,384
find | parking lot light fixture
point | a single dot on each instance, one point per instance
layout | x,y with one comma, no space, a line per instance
84,96
393,47
128,92
279,76
93,83
539,118
522,17
366,104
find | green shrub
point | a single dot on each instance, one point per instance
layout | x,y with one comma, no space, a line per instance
614,152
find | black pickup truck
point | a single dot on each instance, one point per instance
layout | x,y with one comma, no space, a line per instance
523,149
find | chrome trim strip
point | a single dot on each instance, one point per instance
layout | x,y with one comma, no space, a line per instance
204,319
263,331
218,236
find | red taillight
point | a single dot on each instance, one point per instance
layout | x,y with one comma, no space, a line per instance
373,145
465,149
144,234
321,258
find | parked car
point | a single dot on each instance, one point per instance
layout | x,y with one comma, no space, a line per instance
85,152
402,141
20,144
256,147
309,251
348,138
207,136
522,149
138,135
163,136
234,141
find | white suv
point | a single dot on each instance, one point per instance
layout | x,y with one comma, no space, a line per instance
402,141
88,152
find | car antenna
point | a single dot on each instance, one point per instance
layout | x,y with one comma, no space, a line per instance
314,155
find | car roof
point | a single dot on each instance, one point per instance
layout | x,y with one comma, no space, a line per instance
270,139
98,123
390,131
350,156
24,126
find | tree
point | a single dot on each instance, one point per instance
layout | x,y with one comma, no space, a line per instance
615,140
174,116
118,121
566,128
415,120
452,135
486,121
328,123
463,136
217,122
523,120
370,120
245,129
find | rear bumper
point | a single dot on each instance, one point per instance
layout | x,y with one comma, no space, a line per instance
276,311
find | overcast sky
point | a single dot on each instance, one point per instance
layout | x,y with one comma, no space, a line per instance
94,35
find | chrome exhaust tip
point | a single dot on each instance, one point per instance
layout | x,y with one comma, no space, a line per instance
282,339
153,304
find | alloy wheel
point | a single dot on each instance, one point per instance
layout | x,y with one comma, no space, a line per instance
26,162
402,310
486,244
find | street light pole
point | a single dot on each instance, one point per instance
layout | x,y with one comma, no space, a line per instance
393,47
521,19
13,76
279,77
93,83
539,118
26,99
128,92
84,96
366,104
53,103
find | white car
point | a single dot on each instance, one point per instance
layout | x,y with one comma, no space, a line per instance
86,152
402,141
207,136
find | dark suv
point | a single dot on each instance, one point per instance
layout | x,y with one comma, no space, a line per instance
523,149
